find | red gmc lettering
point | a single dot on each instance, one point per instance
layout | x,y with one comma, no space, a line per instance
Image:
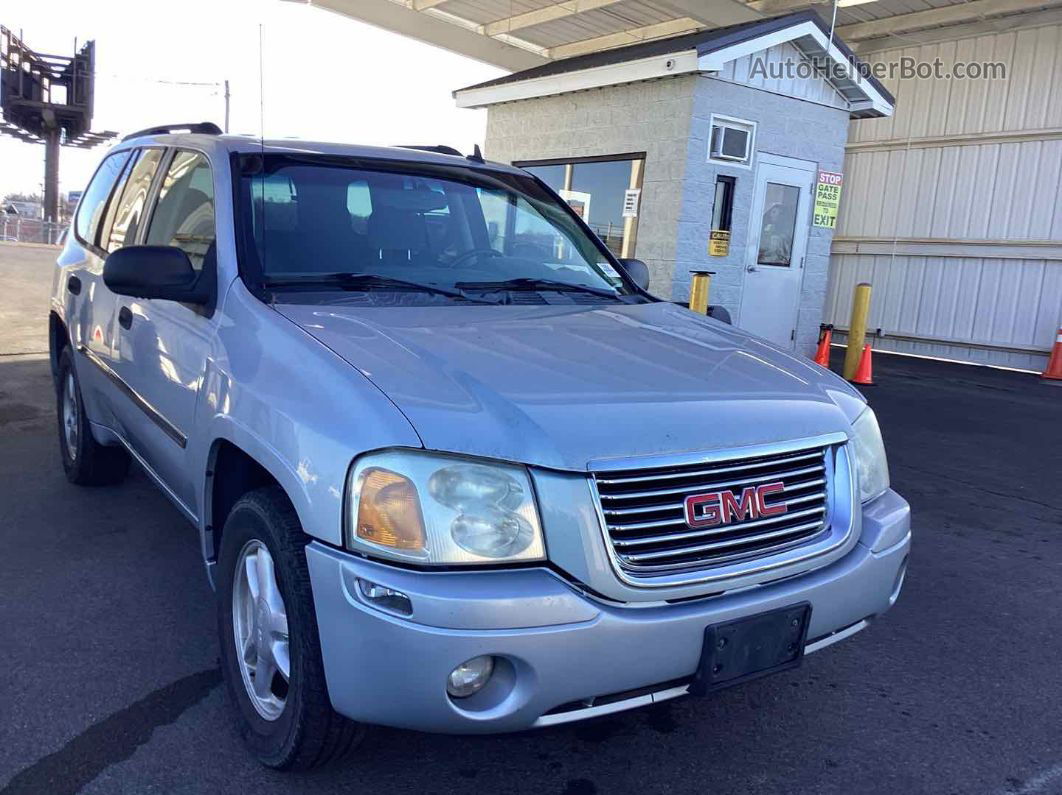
734,511
702,510
724,507
761,500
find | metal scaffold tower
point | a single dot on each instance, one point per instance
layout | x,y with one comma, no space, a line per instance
48,99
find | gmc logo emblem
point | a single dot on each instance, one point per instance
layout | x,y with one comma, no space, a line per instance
724,507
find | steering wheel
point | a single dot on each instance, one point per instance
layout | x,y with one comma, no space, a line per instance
473,252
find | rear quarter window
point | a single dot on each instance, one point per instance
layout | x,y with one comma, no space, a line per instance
124,224
94,202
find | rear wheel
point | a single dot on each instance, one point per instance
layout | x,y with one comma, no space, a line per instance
86,462
267,631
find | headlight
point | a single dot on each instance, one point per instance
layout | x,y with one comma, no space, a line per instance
433,509
872,468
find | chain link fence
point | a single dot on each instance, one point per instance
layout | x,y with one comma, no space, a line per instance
17,229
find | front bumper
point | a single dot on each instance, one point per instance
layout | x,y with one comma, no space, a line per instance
558,645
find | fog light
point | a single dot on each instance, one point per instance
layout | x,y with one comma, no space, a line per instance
385,598
470,676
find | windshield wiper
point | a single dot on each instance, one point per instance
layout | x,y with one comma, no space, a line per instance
528,283
355,281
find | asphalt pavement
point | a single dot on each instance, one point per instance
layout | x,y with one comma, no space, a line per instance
111,683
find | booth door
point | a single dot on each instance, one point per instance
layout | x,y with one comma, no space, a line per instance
774,260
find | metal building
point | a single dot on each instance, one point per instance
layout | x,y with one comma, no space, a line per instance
950,207
954,208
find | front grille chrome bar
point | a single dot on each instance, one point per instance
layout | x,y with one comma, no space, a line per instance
623,543
644,514
715,486
674,553
641,478
679,506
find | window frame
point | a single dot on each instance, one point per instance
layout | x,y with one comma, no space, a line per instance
152,192
733,123
248,267
93,245
618,157
156,188
726,215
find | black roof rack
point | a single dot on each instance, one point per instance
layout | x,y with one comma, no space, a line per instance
202,127
440,149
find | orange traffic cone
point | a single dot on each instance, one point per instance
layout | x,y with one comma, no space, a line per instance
822,355
863,375
1053,373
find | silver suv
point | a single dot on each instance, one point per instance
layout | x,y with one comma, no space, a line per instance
452,467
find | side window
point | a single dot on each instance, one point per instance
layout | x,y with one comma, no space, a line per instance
184,214
93,203
129,210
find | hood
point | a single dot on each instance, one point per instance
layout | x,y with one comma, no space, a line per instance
563,386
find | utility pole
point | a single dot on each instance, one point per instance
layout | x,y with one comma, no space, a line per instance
226,106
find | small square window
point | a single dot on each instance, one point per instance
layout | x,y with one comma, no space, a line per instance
732,141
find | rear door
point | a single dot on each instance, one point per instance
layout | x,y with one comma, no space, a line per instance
121,226
165,345
88,304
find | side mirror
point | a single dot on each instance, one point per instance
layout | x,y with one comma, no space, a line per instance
153,272
638,271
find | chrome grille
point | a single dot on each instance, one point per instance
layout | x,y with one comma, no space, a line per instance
645,514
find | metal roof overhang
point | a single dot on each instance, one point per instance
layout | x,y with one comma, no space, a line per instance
520,34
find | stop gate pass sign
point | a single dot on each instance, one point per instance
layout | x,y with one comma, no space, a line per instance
827,198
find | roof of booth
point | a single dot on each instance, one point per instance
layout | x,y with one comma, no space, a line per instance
702,51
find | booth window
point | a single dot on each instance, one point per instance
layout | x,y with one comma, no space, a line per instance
732,141
723,206
778,225
597,189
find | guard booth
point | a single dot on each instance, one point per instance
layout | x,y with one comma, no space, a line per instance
719,150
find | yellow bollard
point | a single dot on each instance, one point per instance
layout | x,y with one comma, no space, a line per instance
857,329
699,285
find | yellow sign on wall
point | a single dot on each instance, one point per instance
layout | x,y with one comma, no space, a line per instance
719,243
827,198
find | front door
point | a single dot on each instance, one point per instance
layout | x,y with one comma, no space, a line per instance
165,345
774,260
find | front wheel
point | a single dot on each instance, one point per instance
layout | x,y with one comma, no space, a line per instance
267,631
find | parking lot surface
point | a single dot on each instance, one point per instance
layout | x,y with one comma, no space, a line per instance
111,674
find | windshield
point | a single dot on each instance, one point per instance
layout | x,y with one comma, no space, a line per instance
441,233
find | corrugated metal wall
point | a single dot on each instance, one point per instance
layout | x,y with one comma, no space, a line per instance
951,207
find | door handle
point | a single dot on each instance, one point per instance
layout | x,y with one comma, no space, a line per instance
125,317
73,284
752,269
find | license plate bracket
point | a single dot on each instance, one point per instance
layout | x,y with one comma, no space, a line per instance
750,647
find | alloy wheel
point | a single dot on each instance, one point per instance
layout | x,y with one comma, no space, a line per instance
260,629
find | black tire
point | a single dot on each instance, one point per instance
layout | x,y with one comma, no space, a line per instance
308,732
86,462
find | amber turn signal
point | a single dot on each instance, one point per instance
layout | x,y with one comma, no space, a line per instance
389,510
